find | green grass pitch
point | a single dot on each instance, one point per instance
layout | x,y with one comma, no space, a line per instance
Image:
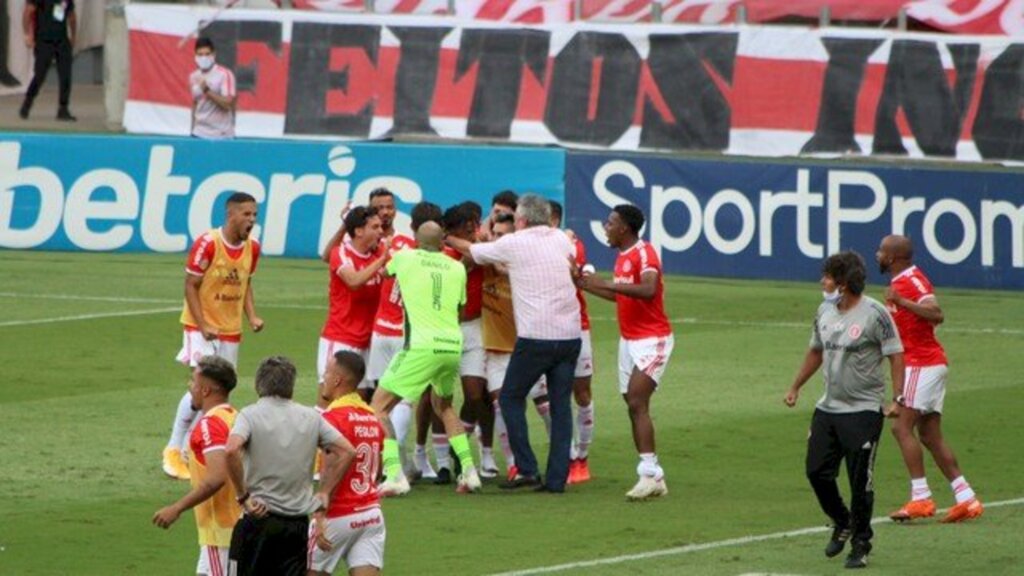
89,384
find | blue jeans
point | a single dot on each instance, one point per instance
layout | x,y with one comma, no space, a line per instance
555,359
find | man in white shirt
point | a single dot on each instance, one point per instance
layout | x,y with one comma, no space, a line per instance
213,95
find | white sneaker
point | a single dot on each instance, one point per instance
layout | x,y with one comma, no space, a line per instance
488,467
397,487
422,464
469,481
647,487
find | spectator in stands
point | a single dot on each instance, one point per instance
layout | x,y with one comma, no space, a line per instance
50,31
213,95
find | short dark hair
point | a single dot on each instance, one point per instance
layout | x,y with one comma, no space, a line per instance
505,218
631,216
475,209
425,212
506,198
556,209
204,42
353,363
846,269
218,370
358,217
457,216
379,192
240,198
276,377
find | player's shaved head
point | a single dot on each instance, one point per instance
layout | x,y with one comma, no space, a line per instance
429,236
899,247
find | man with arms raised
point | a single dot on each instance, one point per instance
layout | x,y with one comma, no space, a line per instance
355,284
912,303
352,527
433,289
646,343
218,290
212,495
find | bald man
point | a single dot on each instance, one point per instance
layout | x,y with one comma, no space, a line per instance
433,288
911,300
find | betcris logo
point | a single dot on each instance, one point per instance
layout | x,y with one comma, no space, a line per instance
117,193
780,220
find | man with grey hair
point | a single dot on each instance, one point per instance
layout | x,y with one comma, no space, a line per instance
270,457
539,260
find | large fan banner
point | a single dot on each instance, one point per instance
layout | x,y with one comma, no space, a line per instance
767,91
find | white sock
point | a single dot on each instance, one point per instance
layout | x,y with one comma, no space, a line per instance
422,463
584,430
183,419
649,466
544,411
487,459
962,490
401,417
502,433
442,451
919,489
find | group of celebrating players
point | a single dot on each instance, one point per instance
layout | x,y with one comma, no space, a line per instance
376,380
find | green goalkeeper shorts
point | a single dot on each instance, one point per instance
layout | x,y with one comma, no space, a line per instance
412,371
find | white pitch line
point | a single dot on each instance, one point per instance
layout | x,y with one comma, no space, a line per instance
807,325
126,300
88,317
691,548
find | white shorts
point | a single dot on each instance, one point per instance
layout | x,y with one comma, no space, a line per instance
213,561
649,355
194,347
327,350
585,363
358,539
382,350
473,363
924,388
497,366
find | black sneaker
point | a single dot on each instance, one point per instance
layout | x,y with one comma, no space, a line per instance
858,557
65,116
840,534
23,111
444,476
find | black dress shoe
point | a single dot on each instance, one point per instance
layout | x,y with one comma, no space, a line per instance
545,489
444,476
520,481
23,111
65,116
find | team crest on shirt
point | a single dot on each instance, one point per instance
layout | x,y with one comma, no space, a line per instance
854,332
627,266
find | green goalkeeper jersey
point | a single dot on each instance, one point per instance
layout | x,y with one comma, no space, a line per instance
433,287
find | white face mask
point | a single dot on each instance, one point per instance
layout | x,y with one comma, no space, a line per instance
204,62
831,297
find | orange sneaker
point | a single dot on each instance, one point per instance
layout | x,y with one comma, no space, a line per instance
964,511
582,471
574,472
914,509
513,471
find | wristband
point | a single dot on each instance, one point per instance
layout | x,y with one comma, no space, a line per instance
900,400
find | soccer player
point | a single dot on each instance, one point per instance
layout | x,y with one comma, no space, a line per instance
433,289
911,300
579,469
388,329
646,342
355,287
212,495
382,200
461,221
852,333
352,527
504,202
218,290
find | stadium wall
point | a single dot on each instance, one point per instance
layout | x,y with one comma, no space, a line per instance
133,194
779,219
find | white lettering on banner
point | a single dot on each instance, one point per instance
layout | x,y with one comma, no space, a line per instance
837,180
51,199
160,186
144,205
990,213
80,208
841,185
